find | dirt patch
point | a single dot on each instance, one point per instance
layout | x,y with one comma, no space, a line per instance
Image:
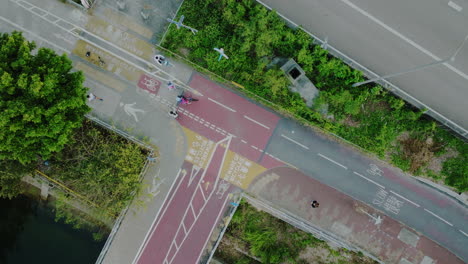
350,122
184,52
435,164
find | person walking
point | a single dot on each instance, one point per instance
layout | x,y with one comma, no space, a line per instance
315,204
91,97
173,114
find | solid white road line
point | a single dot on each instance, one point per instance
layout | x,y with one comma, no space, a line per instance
440,218
294,141
367,179
398,34
455,6
32,33
220,104
408,200
463,232
337,163
212,228
256,122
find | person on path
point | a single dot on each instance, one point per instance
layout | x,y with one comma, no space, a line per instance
171,85
182,99
92,97
161,60
315,204
173,114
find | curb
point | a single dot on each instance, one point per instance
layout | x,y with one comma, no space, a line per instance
461,198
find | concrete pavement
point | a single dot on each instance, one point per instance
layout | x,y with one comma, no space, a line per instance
137,100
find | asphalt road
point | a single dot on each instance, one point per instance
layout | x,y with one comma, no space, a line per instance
393,36
433,214
426,210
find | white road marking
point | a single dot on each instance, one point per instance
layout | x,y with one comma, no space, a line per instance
220,104
201,190
367,179
243,141
213,227
463,232
154,224
455,6
294,141
398,34
256,122
337,163
254,147
440,218
37,36
408,200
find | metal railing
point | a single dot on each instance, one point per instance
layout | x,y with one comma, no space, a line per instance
303,225
119,220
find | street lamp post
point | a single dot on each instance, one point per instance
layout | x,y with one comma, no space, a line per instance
451,58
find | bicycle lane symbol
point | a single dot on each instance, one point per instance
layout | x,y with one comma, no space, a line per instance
149,84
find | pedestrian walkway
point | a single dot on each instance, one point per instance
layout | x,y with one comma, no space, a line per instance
287,193
137,101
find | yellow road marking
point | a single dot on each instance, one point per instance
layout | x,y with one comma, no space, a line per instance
100,76
116,18
121,38
236,169
111,63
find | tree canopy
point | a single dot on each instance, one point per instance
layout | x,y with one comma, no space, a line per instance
41,101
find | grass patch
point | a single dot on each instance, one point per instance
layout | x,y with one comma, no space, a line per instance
255,236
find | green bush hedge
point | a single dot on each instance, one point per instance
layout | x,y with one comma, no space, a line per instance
252,36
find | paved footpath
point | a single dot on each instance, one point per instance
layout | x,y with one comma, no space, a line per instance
217,147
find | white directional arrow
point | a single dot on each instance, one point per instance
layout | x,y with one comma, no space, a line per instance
377,219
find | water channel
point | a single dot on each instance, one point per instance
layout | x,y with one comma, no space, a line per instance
29,234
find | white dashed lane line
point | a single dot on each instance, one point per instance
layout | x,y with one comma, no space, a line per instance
369,180
220,104
256,122
404,198
463,233
455,6
337,163
440,218
294,141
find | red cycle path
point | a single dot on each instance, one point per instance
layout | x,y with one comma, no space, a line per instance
251,124
182,230
342,215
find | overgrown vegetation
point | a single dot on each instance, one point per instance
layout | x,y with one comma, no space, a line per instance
41,103
254,236
101,166
368,115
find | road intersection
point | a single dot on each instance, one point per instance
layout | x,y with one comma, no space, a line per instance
223,144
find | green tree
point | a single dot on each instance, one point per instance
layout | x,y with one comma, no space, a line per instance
41,101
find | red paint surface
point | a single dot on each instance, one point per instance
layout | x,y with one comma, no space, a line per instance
234,123
149,84
198,222
338,209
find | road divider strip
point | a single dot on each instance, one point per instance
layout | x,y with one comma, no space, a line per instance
337,163
294,141
440,218
367,179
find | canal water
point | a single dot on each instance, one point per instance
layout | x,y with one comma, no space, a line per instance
29,234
